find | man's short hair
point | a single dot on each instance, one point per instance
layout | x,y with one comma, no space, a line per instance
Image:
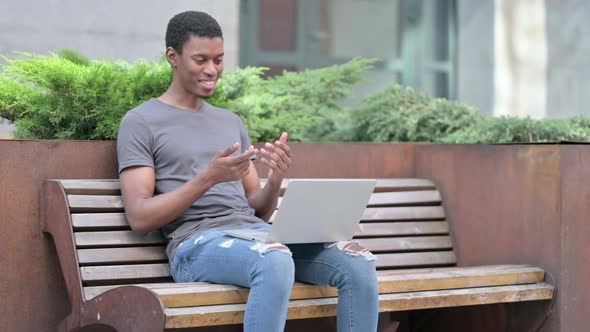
190,23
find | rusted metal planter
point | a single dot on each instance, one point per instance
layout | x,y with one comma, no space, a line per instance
506,204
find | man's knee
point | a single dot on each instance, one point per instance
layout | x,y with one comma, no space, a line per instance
352,248
358,265
264,248
276,263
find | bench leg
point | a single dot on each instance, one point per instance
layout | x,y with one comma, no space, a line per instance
386,324
127,308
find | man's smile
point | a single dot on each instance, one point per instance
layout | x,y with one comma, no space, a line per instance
209,84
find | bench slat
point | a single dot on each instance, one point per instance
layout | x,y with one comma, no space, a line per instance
202,293
130,238
124,272
112,187
313,308
404,213
465,297
106,220
403,185
116,238
122,255
149,271
407,243
382,229
151,254
95,203
118,220
403,228
415,259
405,198
83,221
91,203
91,187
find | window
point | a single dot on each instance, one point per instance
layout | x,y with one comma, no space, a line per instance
414,40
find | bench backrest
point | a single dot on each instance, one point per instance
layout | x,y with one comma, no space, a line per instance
403,225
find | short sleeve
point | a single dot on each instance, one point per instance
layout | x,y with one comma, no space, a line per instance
245,140
134,142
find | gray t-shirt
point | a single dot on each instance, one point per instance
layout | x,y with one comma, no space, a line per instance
178,144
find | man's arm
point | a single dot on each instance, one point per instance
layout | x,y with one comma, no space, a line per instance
277,157
146,212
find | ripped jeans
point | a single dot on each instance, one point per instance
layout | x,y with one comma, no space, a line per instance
269,270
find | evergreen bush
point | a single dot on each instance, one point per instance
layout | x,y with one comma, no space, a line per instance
402,114
67,96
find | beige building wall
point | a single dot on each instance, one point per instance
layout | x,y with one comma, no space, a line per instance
520,46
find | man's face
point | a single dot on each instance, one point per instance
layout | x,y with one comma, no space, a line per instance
200,65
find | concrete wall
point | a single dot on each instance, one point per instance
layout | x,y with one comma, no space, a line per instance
130,29
475,54
569,50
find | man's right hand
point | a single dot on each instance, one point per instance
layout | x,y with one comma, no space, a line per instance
225,168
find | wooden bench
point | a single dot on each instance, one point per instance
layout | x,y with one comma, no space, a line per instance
118,278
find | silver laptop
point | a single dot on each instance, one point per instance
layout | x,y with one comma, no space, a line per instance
315,210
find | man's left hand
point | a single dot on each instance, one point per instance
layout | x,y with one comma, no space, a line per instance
277,157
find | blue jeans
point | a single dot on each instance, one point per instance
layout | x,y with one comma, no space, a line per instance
269,270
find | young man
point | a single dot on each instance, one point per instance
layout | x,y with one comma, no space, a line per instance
185,168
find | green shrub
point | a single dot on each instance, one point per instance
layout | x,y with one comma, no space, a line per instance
67,96
511,129
296,102
16,99
402,114
74,57
53,97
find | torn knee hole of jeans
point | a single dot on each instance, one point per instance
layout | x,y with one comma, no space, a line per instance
352,248
263,248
